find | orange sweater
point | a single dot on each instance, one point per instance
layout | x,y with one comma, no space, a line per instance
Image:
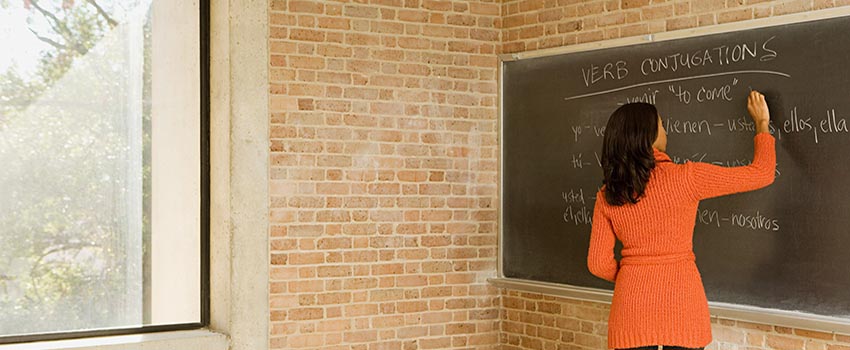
659,297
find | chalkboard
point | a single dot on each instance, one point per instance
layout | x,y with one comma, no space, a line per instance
783,247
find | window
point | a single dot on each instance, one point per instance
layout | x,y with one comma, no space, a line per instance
103,167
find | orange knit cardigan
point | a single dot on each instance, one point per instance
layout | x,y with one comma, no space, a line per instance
659,297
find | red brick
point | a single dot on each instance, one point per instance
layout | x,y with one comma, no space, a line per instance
792,7
306,6
306,314
306,35
630,4
360,11
306,258
783,342
815,334
735,15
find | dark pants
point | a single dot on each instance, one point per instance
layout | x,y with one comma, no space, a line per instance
665,347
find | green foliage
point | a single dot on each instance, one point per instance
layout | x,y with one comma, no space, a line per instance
64,261
74,31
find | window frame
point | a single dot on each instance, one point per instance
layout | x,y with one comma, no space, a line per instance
204,57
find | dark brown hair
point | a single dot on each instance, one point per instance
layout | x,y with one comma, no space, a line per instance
627,156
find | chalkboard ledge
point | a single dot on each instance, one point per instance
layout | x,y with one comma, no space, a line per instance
555,289
799,320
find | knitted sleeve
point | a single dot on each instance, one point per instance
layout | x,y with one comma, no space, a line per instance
708,180
600,255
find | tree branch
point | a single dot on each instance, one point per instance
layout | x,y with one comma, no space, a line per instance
48,14
102,12
59,26
48,40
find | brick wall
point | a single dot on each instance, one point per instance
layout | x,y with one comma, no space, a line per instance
383,174
535,321
383,171
538,24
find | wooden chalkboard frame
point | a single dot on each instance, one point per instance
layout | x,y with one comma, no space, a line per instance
748,313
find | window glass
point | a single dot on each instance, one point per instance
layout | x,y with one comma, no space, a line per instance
99,165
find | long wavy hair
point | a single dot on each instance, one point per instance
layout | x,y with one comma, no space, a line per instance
627,155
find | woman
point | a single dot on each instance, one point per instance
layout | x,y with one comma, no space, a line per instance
649,203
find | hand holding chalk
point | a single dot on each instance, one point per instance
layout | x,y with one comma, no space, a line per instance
758,111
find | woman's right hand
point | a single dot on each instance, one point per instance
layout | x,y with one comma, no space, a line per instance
758,108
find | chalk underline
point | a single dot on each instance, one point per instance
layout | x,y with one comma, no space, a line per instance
680,79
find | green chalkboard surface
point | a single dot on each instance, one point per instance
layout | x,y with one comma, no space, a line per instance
784,247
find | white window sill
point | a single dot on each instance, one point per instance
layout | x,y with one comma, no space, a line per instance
201,339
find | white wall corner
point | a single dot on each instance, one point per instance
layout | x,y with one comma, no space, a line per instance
239,162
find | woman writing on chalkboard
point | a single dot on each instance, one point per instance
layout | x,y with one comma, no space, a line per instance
649,203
